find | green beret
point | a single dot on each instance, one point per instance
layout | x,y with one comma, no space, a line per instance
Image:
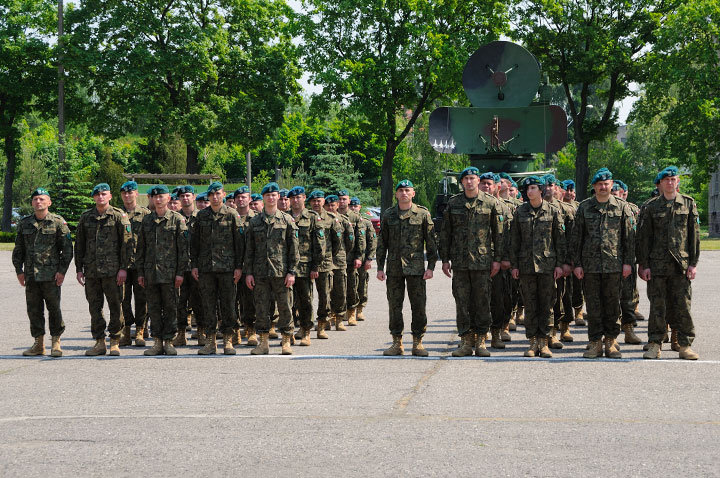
201,197
214,187
569,185
354,201
255,197
550,179
530,180
270,188
505,176
230,195
342,192
405,183
39,192
668,172
100,187
159,189
489,175
331,198
468,171
242,190
174,197
296,191
496,178
317,193
603,174
185,189
513,183
129,186
284,193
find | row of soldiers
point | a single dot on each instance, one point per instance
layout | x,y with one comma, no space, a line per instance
539,251
215,256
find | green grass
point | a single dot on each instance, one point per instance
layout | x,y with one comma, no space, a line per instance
6,246
708,243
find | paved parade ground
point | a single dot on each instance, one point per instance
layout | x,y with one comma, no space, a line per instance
339,408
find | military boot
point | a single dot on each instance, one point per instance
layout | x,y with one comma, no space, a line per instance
520,316
594,350
351,317
252,339
543,349
417,349
210,347
674,341
505,334
125,339
305,338
653,351
273,333
480,349
339,323
630,336
396,348
496,341
299,334
610,350
579,317
180,338
38,348
565,335
201,337
56,351
237,337
140,337
321,334
169,348
360,316
466,345
286,350
686,353
533,350
554,342
638,315
115,346
156,349
263,347
228,348
97,349
512,326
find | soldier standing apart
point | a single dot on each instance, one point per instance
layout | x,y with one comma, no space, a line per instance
103,253
354,255
471,248
162,260
406,234
368,257
216,260
245,295
537,255
41,257
271,261
668,253
338,294
603,249
135,213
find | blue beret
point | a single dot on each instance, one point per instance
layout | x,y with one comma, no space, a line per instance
255,197
514,184
496,178
603,174
342,192
230,195
100,187
283,193
569,184
505,176
317,193
561,185
185,189
214,187
530,180
242,190
201,197
405,183
668,172
468,171
331,198
174,197
129,186
40,192
270,188
296,191
488,175
354,201
550,179
158,189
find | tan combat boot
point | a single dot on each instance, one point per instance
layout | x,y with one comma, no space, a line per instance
56,351
125,338
97,349
169,348
480,349
210,347
595,349
201,337
285,344
417,349
140,337
610,350
115,346
533,350
38,348
156,349
351,317
580,317
466,345
305,338
252,339
505,334
237,337
298,334
543,349
396,348
512,325
554,342
496,341
653,351
674,341
321,334
360,316
520,316
339,323
565,334
263,347
686,353
273,333
180,338
228,348
630,336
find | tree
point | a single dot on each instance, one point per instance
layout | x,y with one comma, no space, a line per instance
391,59
596,46
209,70
27,76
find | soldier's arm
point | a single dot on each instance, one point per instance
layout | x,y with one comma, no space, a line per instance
238,242
80,245
559,232
65,247
445,237
194,244
576,239
430,243
360,241
127,243
336,233
693,236
383,242
515,243
643,238
18,254
371,239
628,236
349,240
496,227
183,256
317,244
293,257
140,251
249,250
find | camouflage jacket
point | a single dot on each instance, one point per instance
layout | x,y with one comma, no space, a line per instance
370,240
135,217
271,247
357,251
311,243
215,242
603,238
103,242
244,224
509,208
42,247
162,249
472,233
331,226
341,256
568,214
668,239
404,240
538,243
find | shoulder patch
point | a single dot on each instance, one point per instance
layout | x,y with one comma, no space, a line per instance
128,228
321,233
362,232
501,218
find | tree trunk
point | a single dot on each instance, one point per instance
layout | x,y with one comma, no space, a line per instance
9,179
582,174
386,178
192,166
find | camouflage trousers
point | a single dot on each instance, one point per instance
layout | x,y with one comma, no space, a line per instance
515,296
538,292
501,305
97,289
217,291
38,296
577,296
353,298
602,298
670,299
567,299
363,280
558,309
267,290
323,284
396,297
338,293
629,298
189,299
162,309
247,303
471,290
302,301
130,289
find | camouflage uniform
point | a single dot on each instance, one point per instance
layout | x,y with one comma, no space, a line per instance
103,246
364,276
131,287
311,250
404,238
332,233
357,252
246,303
271,252
561,313
338,294
162,255
668,243
602,241
189,293
42,249
630,297
501,292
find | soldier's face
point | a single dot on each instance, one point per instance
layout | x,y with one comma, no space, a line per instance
102,198
624,194
549,190
617,193
161,200
41,203
242,200
186,199
470,182
513,191
603,188
533,192
129,197
331,206
356,208
174,205
487,186
504,185
669,185
216,198
343,202
271,199
230,203
559,193
201,204
297,202
316,204
570,195
283,203
256,206
404,195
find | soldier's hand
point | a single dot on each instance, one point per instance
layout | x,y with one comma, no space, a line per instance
59,279
237,274
81,278
691,272
314,275
141,281
368,265
357,263
428,274
21,279
195,273
178,281
250,282
558,273
447,270
494,269
627,270
579,273
644,274
567,270
505,265
289,280
515,274
381,275
121,276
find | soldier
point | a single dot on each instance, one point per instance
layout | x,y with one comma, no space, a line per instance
256,202
174,204
271,261
284,201
103,253
471,246
332,233
41,257
504,192
246,303
338,294
369,256
537,255
603,249
201,201
668,254
189,297
135,214
162,260
354,255
216,259
577,294
406,235
230,200
311,250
